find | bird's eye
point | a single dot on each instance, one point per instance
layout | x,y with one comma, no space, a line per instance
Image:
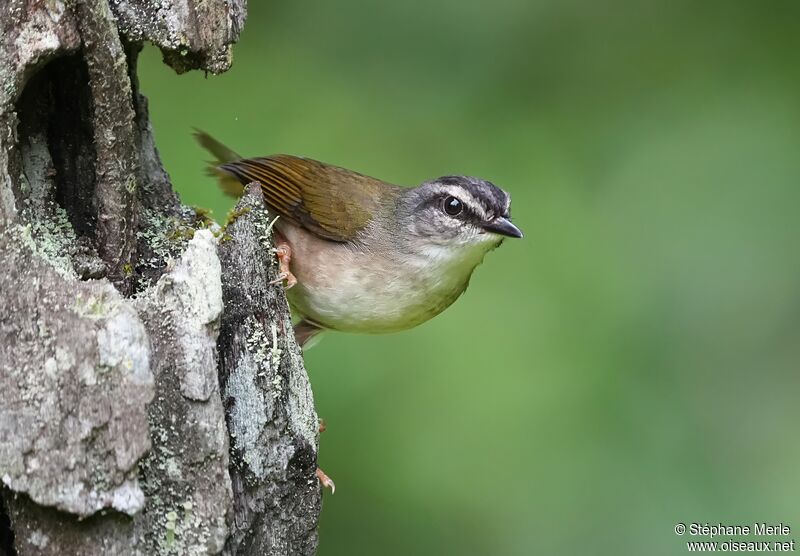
452,206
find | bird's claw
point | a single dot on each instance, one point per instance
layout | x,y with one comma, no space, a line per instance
288,276
284,254
326,481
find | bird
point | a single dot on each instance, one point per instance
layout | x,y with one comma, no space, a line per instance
362,255
359,254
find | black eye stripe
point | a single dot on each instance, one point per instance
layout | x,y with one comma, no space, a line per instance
468,212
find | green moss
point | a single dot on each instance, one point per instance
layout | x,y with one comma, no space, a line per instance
234,214
203,216
166,236
181,233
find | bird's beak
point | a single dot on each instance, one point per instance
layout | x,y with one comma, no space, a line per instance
502,226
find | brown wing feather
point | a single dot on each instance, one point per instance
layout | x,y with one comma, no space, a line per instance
332,202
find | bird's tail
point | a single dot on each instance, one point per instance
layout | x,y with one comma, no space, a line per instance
229,184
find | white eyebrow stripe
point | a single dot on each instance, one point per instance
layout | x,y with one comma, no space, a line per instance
465,197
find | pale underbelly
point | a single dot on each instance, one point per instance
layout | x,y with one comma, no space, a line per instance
351,291
366,305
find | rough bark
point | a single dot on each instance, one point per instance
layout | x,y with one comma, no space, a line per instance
274,429
119,307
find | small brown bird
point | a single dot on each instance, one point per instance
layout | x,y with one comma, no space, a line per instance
366,255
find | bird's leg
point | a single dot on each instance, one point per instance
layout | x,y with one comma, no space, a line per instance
324,480
284,253
304,331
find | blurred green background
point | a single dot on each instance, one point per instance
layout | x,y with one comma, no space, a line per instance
633,362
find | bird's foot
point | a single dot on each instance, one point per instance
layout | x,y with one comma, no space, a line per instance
284,254
325,481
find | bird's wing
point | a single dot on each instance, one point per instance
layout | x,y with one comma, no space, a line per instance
331,202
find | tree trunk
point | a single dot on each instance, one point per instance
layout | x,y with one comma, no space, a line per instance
153,399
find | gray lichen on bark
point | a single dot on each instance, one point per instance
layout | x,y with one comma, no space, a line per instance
191,35
271,416
78,351
185,476
117,311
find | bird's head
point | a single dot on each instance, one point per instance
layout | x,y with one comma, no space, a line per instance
458,215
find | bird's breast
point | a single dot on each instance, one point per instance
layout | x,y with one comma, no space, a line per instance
353,290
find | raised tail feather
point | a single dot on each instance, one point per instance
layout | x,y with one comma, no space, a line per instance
222,155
